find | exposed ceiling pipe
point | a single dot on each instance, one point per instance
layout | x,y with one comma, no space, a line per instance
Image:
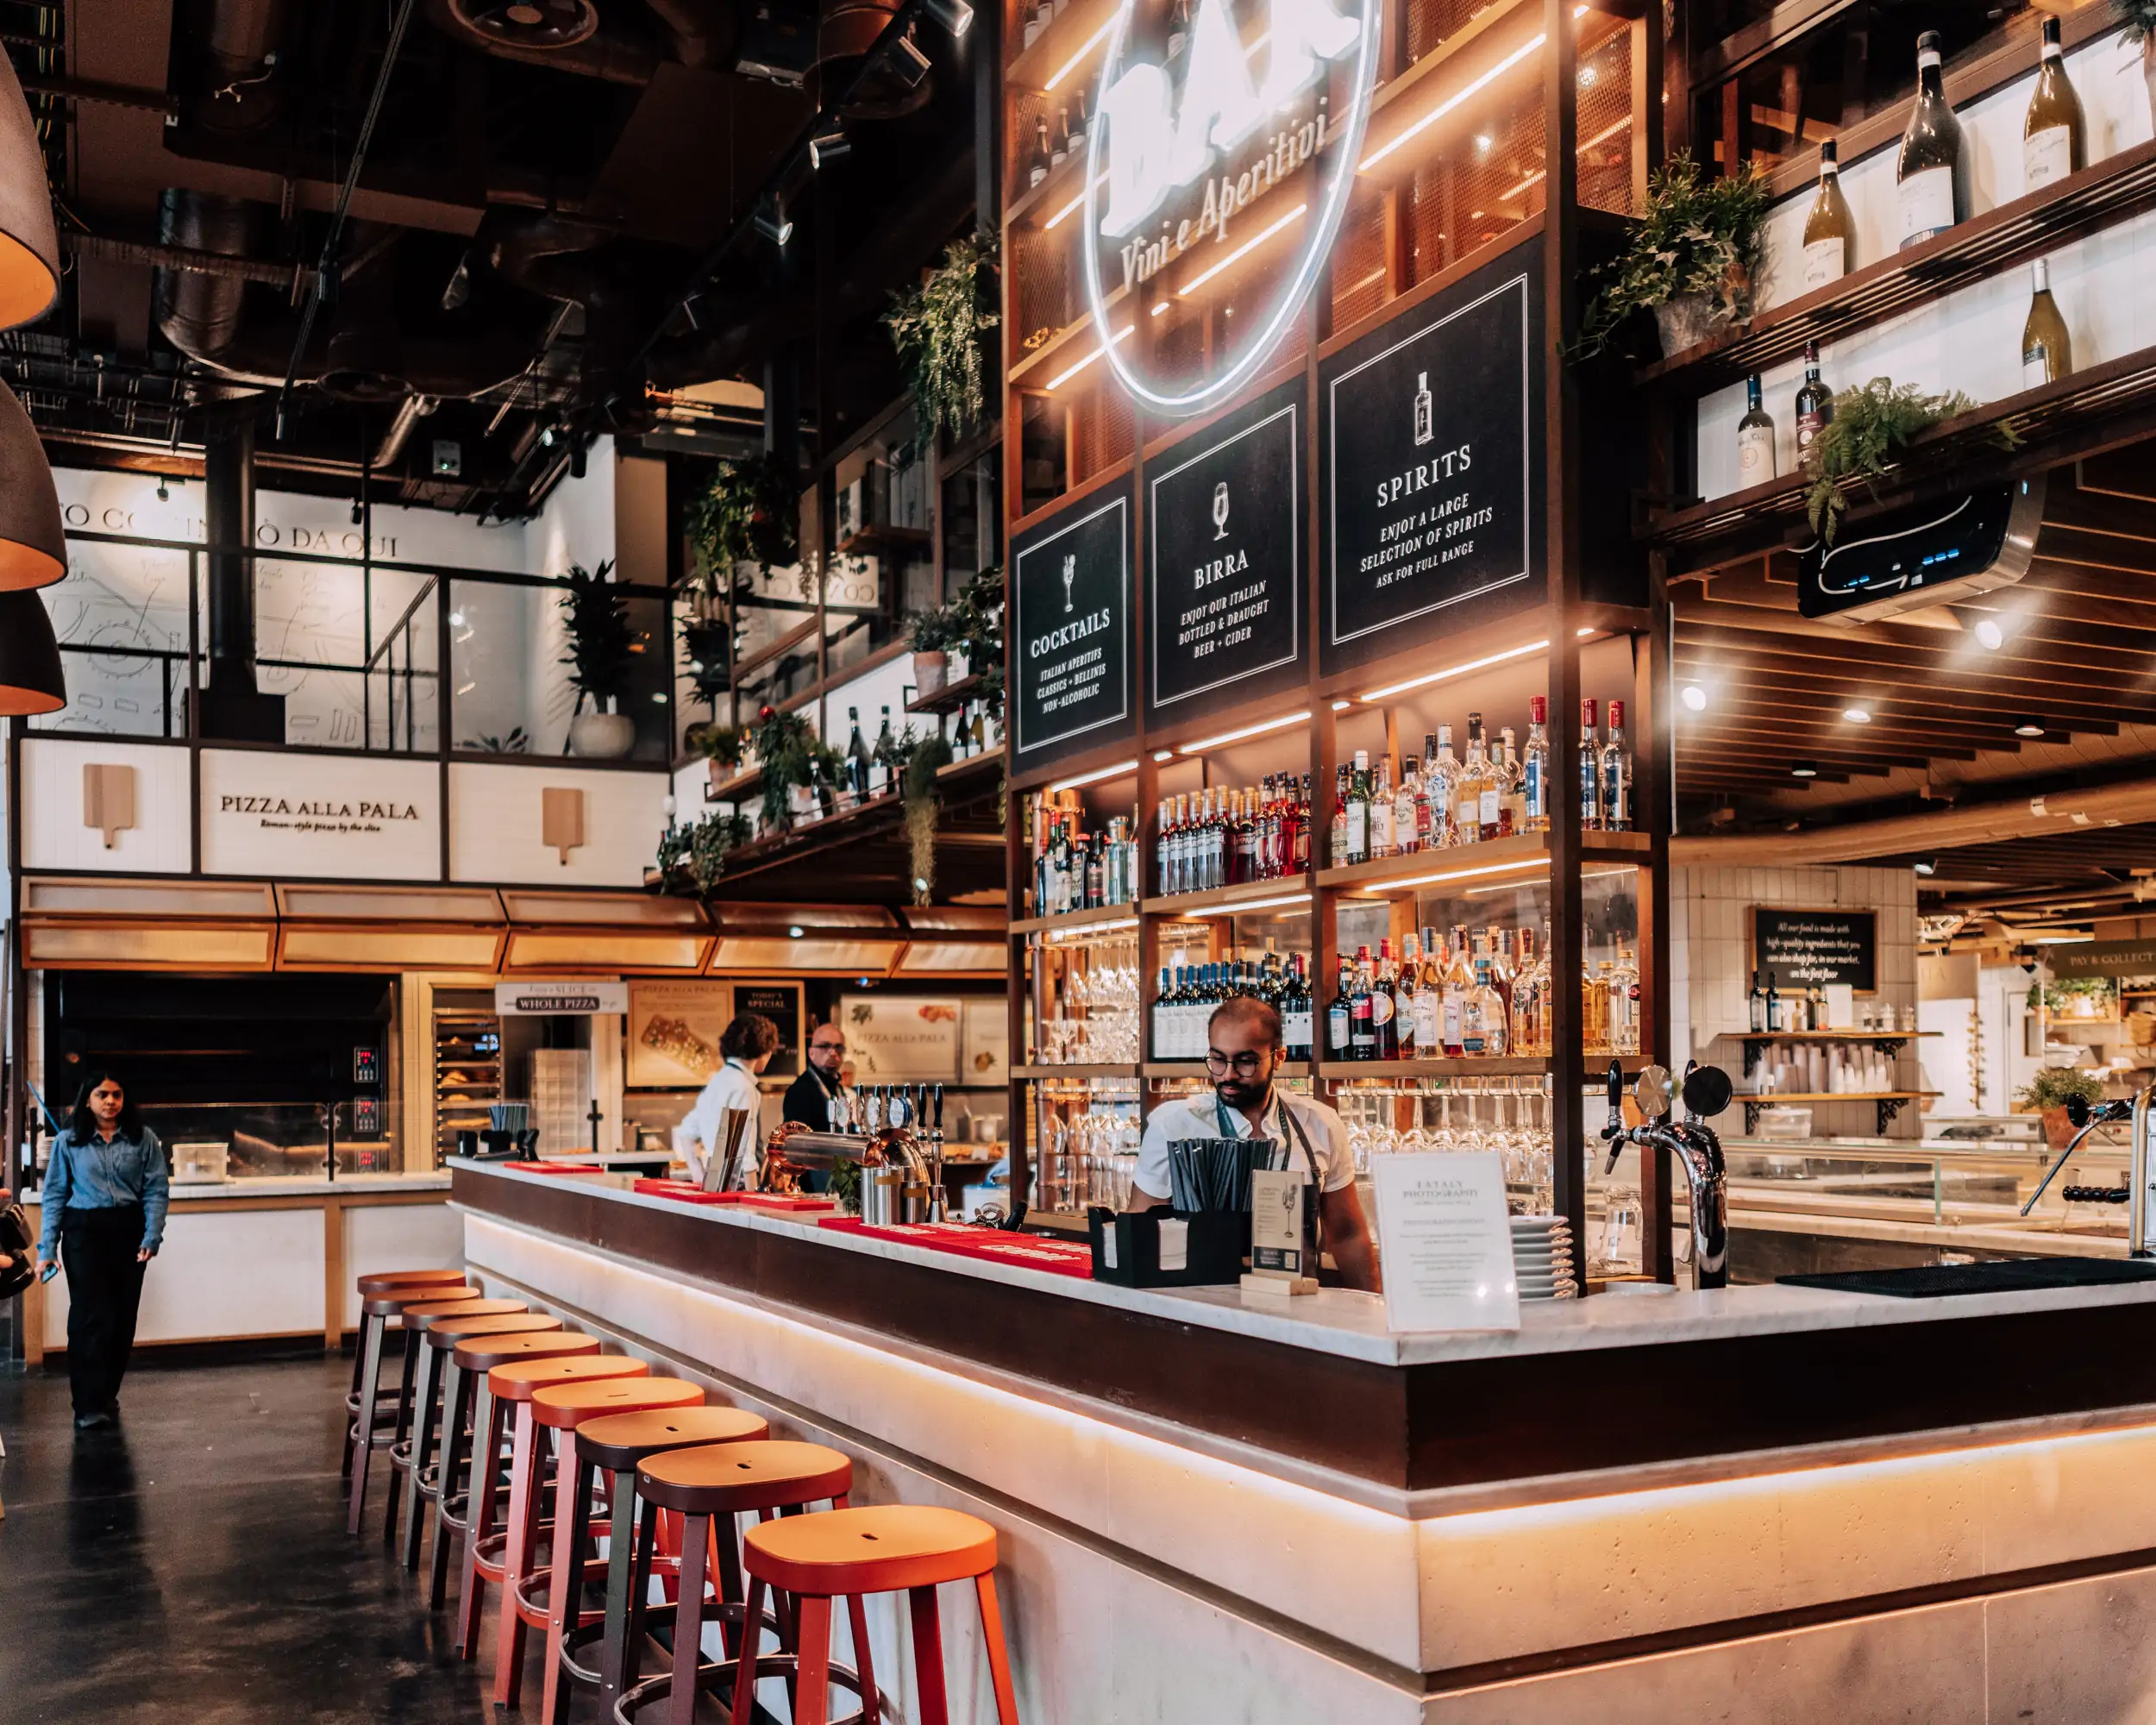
601,55
409,412
245,86
111,251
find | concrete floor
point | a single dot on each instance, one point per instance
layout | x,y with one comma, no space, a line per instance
194,1566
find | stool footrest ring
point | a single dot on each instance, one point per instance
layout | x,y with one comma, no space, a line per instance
718,1680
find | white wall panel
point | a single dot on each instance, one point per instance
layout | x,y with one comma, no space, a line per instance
380,1237
327,817
54,836
224,1273
495,824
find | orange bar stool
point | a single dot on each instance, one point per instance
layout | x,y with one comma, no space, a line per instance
701,1486
420,1384
384,1282
513,1385
894,1548
368,1431
442,1380
475,1359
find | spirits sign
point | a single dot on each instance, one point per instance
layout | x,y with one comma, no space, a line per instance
1070,629
1224,533
1429,468
1210,150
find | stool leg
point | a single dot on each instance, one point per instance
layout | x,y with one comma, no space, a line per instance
565,1596
632,1641
524,1488
429,1442
419,1446
812,1698
751,1639
402,1432
457,1438
363,1433
621,1549
725,1540
688,1621
928,1656
478,1521
999,1654
359,1357
864,1661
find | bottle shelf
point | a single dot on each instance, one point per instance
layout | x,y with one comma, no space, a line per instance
1496,1066
1275,893
950,698
1068,34
1126,915
1393,877
1196,1068
1129,1070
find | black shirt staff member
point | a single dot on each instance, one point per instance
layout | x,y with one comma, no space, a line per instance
1245,1051
819,1098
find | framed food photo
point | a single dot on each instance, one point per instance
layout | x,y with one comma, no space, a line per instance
673,1031
984,1041
901,1039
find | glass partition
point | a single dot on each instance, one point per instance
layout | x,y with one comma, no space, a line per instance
218,1143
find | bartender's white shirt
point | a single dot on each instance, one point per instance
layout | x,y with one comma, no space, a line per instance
1196,1117
733,1086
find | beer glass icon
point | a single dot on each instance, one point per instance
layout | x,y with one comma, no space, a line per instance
1071,574
1220,510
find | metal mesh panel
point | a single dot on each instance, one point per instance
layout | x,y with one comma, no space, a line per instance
1480,179
1430,22
1606,124
1106,432
1047,295
1359,259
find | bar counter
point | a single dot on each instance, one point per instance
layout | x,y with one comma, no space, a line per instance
1762,1503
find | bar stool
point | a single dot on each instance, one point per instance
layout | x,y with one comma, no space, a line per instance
701,1486
892,1548
513,1385
441,1382
474,1360
616,1446
367,1434
415,1393
382,1282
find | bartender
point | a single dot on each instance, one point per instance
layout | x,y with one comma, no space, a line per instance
819,1098
746,1044
1244,1050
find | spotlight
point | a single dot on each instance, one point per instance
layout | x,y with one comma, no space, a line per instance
1927,870
458,287
793,930
456,619
163,495
577,463
1990,636
1803,769
828,144
545,437
2029,727
771,224
1856,715
955,16
908,64
357,513
1694,697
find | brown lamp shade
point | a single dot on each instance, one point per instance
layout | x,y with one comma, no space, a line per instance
30,678
33,542
29,248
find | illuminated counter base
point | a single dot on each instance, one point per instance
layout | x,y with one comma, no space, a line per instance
1464,1551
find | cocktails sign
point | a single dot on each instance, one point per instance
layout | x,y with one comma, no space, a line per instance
1205,163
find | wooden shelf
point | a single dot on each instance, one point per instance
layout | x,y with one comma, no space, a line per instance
1225,901
2110,191
1497,1066
1034,1072
948,699
1031,68
1480,863
1092,919
878,536
1064,182
1889,1103
972,766
1829,1035
1196,1068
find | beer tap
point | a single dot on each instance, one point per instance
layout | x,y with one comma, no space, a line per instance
1697,1149
938,1201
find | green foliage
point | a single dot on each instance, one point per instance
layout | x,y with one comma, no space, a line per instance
517,743
845,1186
2054,1086
971,624
789,754
2053,996
602,647
749,513
916,782
1698,235
939,630
1873,422
708,642
938,331
719,742
692,858
2139,16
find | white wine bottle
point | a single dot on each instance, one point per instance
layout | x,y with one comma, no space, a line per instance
1931,173
2054,138
2047,352
1828,228
1755,439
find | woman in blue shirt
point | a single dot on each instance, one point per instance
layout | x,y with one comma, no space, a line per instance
104,1197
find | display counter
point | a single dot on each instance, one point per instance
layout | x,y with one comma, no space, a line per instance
1772,1502
270,1258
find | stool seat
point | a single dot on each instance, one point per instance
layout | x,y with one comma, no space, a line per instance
620,1441
516,1380
453,1327
482,1354
719,1479
420,1317
881,1548
566,1406
381,1282
393,1304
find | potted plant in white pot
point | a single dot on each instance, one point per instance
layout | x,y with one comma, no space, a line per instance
935,633
602,649
1692,259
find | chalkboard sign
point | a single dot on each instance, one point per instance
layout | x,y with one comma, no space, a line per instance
1071,591
1430,468
780,1002
1224,564
1811,949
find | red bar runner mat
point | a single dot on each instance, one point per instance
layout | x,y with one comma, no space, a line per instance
553,1168
686,1192
1022,1251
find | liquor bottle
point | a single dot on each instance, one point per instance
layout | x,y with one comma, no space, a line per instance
1381,807
1427,1004
2047,352
1755,438
1527,1004
1616,773
1426,419
1299,854
1931,173
1178,29
1594,1008
1037,17
1775,1025
1490,785
2053,133
1339,1017
1362,1025
856,759
1358,810
1384,1007
1534,765
1483,1024
1590,770
882,758
1467,786
1295,1010
1338,844
1441,776
1758,1005
1814,409
1078,126
1828,230
1410,813
1161,1017
1624,1003
1512,803
1096,872
1407,986
1043,159
1060,152
1459,980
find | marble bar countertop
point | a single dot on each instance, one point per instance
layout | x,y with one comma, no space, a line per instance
308,1186
1352,1325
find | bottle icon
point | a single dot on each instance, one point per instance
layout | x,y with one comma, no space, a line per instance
1426,415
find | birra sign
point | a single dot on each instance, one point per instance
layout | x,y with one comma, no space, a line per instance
1208,148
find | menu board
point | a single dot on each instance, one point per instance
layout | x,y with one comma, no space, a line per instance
780,1002
1224,560
673,1031
901,1039
1070,629
1429,466
1813,949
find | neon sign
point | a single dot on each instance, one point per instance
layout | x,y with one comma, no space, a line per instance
1243,139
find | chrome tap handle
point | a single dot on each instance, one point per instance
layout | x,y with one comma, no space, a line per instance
2138,1177
1613,1127
2109,1114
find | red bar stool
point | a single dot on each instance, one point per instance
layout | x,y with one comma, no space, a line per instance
367,1433
443,1383
701,1486
384,1282
892,1548
418,1385
617,1446
475,1359
513,1385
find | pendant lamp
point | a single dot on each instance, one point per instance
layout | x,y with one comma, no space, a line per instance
33,543
30,678
29,248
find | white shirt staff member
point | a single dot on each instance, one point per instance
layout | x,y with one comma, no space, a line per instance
748,1045
1246,1050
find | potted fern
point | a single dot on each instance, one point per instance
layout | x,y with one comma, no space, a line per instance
940,333
602,650
2140,18
1692,259
1873,423
749,513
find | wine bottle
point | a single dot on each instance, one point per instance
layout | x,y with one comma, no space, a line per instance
1178,28
1931,170
1059,151
2053,134
2046,348
1037,169
1827,227
1814,408
1755,438
856,759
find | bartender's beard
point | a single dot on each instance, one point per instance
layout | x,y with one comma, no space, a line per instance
1242,1097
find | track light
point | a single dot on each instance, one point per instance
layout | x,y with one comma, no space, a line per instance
907,62
2029,727
771,224
458,288
577,463
163,494
1857,715
1927,870
827,144
1694,697
359,514
546,436
1990,636
1803,769
955,16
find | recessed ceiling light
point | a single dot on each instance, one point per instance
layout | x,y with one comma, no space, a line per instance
1694,697
793,931
1857,715
2029,727
1803,769
1990,636
1927,868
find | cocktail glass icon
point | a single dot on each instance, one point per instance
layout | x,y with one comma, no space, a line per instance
1220,510
1071,574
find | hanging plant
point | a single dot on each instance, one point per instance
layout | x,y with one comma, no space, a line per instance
790,755
1873,423
602,647
692,858
749,513
1692,257
2139,17
924,760
707,641
939,331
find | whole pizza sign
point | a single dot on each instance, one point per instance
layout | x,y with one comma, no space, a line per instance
1237,136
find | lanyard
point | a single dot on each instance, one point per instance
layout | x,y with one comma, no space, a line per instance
1295,1132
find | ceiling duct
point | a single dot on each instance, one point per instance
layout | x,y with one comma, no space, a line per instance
599,54
242,85
544,25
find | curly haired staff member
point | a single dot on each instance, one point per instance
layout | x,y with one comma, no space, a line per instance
747,1043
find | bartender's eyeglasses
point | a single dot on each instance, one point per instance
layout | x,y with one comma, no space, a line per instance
823,1047
1246,1065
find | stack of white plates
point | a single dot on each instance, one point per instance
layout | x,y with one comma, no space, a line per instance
1542,1257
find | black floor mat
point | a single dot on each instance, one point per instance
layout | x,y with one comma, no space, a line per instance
1931,1280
